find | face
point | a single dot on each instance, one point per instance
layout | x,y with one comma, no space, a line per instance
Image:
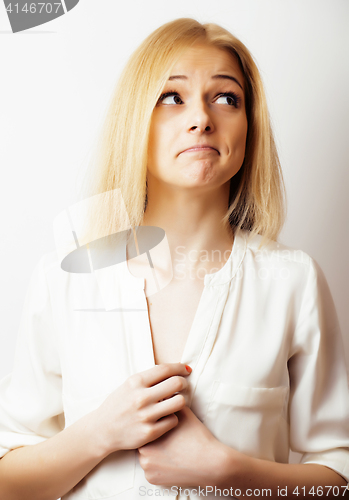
199,124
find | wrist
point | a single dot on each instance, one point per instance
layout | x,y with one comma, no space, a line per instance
231,467
94,431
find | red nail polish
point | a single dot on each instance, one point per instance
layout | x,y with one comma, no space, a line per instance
187,367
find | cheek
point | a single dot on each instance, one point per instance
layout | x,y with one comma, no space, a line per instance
157,141
161,146
237,141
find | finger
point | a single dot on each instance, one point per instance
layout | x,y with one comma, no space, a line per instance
164,425
161,372
167,388
168,406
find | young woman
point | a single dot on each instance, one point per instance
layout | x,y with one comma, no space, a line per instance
118,392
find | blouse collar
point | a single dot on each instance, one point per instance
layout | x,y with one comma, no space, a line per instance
223,275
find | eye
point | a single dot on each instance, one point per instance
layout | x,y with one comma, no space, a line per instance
170,98
230,98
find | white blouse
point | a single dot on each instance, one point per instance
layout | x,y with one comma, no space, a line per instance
265,348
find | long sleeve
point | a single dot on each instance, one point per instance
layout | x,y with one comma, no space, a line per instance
319,395
30,397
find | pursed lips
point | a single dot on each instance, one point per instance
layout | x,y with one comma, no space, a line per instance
200,148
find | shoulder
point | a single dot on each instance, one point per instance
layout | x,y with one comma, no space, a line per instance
48,266
278,263
289,276
274,251
49,261
49,273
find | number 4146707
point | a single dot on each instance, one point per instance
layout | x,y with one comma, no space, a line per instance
322,491
32,8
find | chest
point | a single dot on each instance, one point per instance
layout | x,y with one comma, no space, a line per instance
171,314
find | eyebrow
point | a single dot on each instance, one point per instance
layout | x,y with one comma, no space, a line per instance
214,77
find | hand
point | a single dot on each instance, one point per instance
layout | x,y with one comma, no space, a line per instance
142,408
188,455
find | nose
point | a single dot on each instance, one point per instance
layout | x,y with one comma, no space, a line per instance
199,118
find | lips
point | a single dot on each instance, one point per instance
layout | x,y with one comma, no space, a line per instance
200,147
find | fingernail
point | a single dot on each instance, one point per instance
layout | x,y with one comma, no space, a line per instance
187,367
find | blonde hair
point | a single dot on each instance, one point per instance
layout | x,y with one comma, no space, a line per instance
257,192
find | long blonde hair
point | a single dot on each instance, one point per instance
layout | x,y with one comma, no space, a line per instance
257,193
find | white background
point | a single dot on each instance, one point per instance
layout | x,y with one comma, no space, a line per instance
55,83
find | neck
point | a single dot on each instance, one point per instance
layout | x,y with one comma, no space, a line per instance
192,221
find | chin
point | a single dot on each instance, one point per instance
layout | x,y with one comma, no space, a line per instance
200,173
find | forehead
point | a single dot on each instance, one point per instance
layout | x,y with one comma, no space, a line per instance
207,59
